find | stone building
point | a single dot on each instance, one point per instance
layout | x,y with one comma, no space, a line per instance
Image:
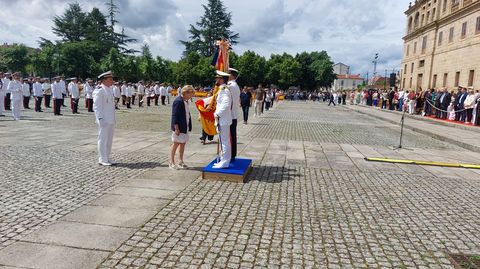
442,44
341,69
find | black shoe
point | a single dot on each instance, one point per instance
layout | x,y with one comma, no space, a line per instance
60,114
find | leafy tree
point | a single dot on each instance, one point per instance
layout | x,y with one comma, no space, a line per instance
114,61
147,63
71,25
15,57
76,58
43,60
97,30
251,67
163,70
213,25
131,69
322,68
290,70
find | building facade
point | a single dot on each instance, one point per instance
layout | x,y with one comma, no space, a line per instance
442,45
341,69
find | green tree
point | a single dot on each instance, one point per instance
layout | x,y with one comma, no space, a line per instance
76,59
15,57
43,60
97,31
147,63
163,70
251,67
71,26
114,61
322,68
213,25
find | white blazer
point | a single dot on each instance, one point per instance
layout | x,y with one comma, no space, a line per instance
223,110
104,105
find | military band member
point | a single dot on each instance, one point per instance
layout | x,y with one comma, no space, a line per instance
74,95
128,94
133,91
123,90
38,94
150,94
63,87
235,90
3,88
88,91
104,106
164,93
15,88
7,77
141,93
117,94
57,97
26,93
223,120
157,92
47,92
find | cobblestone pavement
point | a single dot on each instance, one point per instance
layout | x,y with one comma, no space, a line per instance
312,200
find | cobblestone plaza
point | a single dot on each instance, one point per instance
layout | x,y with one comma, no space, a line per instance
312,201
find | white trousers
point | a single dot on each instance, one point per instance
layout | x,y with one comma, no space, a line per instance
2,102
226,149
16,108
105,139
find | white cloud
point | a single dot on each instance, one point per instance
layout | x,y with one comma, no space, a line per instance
350,31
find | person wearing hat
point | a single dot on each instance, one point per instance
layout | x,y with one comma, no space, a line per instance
47,92
74,93
141,93
117,94
156,90
223,119
88,91
15,89
104,107
128,94
123,91
57,96
37,94
3,88
26,93
235,90
7,77
63,87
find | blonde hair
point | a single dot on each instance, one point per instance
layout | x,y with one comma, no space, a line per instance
187,89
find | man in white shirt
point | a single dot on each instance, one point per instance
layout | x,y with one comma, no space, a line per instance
123,91
5,81
74,95
3,88
235,90
128,94
26,93
117,94
63,87
57,96
104,106
163,94
38,94
141,93
47,92
88,91
223,120
16,93
157,92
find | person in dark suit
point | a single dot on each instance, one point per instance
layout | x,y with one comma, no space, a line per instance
181,125
391,95
445,100
459,104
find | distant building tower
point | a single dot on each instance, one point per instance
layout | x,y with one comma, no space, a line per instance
344,80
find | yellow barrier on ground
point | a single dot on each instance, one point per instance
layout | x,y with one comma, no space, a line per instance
441,164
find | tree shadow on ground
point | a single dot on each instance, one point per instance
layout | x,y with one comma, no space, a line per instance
272,174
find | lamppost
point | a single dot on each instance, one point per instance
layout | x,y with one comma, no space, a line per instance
375,61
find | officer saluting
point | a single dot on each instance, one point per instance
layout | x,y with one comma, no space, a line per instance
104,107
223,119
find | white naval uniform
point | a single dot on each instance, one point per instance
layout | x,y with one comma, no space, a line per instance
3,89
116,92
235,90
88,91
73,90
223,113
16,95
37,89
104,107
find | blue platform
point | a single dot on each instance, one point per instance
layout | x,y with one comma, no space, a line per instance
239,167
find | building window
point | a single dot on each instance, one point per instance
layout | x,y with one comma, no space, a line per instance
440,38
424,44
408,50
413,65
450,36
410,85
428,16
434,12
455,2
471,75
405,69
434,83
457,79
464,29
477,28
415,48
445,78
444,5
421,63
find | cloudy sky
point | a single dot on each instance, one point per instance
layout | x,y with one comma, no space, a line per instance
351,31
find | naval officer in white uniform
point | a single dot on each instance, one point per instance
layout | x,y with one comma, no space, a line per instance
104,107
223,119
